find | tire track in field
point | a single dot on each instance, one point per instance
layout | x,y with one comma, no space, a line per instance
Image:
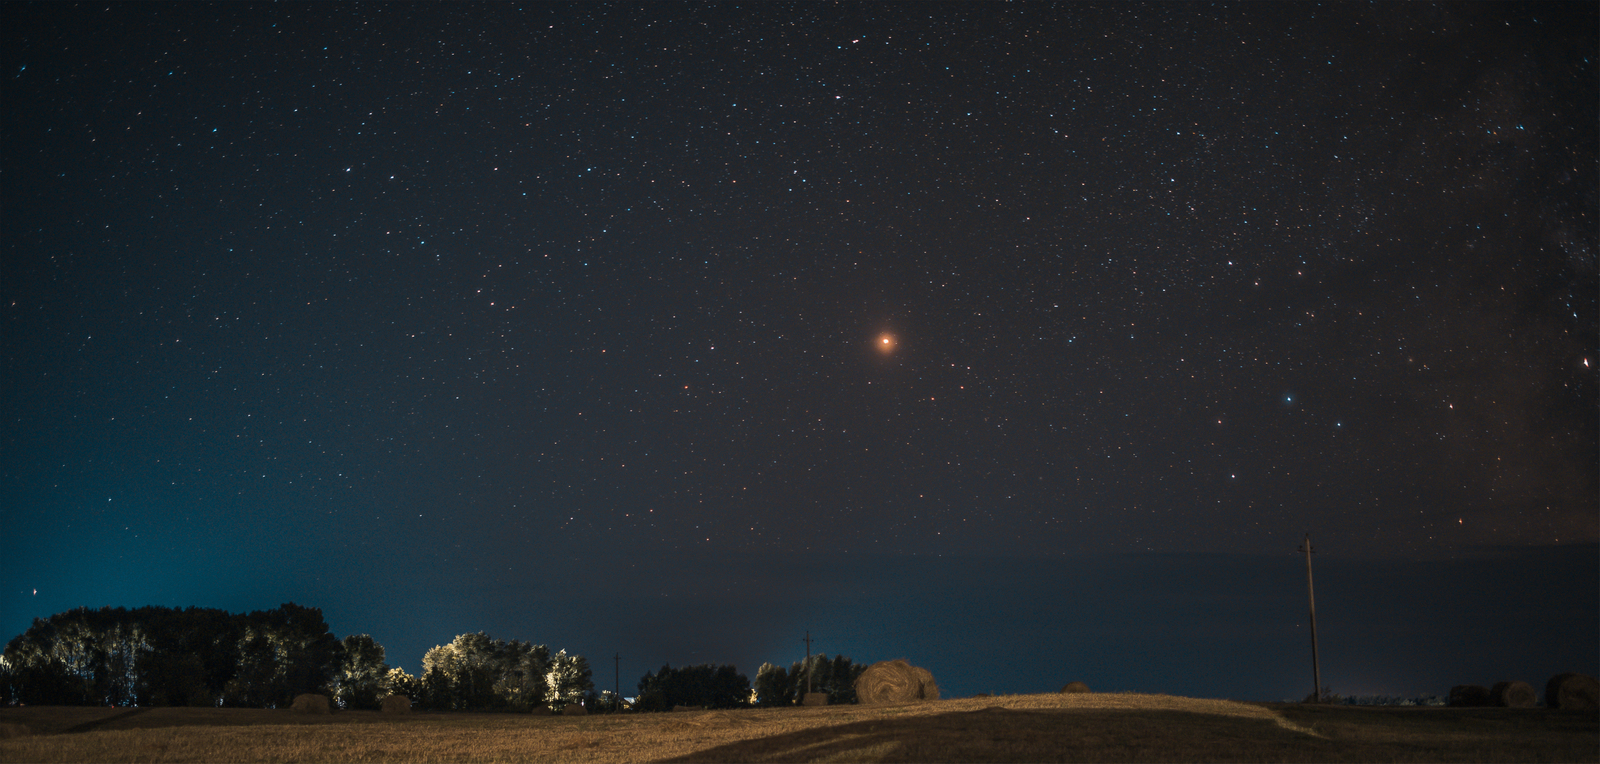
86,726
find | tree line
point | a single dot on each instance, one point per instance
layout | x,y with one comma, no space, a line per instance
160,656
712,686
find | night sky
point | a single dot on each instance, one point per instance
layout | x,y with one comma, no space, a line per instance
1026,342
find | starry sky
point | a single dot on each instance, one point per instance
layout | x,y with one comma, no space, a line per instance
1024,341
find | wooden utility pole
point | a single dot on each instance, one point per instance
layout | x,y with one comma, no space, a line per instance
808,661
1311,593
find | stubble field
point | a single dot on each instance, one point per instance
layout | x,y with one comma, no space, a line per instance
1109,727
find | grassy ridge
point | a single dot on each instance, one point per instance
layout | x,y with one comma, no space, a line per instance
1101,727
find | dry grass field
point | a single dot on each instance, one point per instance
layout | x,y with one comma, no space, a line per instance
1107,727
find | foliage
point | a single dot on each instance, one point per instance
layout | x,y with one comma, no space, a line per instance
362,680
477,672
773,686
283,652
702,685
606,702
460,674
80,657
398,682
158,656
776,686
569,680
1394,700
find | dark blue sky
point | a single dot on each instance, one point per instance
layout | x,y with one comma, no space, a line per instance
564,322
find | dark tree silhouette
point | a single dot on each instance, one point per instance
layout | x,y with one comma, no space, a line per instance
168,656
702,685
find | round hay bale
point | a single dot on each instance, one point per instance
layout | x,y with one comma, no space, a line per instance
1074,688
574,709
1513,695
397,704
888,682
310,704
930,688
1572,692
1469,695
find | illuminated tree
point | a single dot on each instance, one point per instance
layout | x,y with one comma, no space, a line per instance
774,686
523,671
459,674
398,682
477,672
362,675
569,680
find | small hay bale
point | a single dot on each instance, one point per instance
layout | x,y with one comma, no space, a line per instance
930,688
688,708
1572,692
1513,695
310,704
397,704
574,709
540,711
815,699
1469,695
1074,688
888,682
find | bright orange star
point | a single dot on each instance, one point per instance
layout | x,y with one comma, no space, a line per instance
885,343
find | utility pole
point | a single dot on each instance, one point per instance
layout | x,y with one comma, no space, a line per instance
808,661
616,691
1311,593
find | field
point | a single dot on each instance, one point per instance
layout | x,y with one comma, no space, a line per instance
1106,727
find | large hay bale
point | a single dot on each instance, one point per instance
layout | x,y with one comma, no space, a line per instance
1572,692
574,709
1074,688
310,704
888,682
895,681
930,688
1469,695
1513,695
397,704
